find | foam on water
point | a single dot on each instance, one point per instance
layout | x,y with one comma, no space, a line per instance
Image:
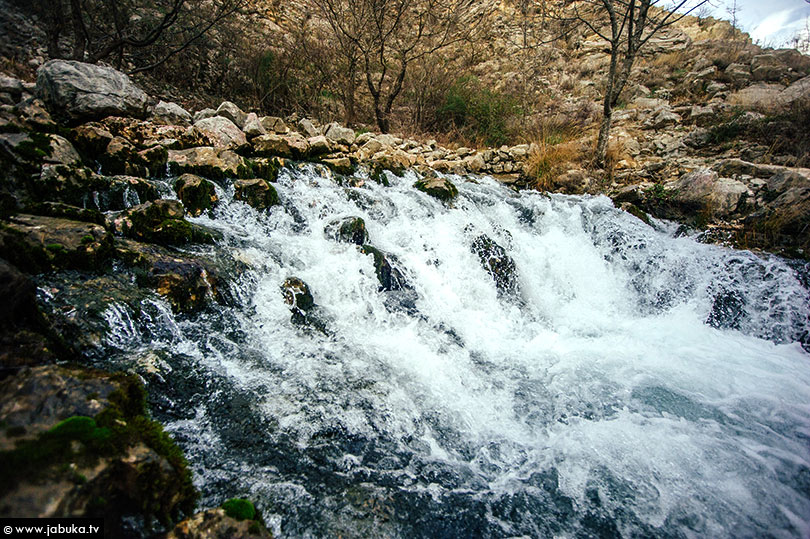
599,401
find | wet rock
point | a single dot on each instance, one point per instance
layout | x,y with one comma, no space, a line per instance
168,113
302,305
728,310
222,132
212,163
87,449
339,165
636,212
37,243
23,329
215,524
119,158
498,264
437,187
187,281
197,194
160,221
91,138
233,113
75,91
66,211
257,193
389,276
573,182
347,230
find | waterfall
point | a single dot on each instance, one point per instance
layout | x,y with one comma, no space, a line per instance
626,382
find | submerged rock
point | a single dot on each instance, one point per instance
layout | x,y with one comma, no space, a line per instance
498,264
302,305
390,277
76,91
257,193
347,230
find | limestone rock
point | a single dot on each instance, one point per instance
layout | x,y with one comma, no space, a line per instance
37,243
213,163
704,191
306,127
215,524
273,124
222,132
230,111
339,134
75,91
253,127
168,113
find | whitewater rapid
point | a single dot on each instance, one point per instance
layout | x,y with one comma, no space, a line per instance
597,400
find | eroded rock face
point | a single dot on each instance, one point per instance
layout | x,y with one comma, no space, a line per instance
76,91
213,163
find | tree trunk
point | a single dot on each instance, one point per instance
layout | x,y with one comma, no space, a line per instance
53,26
79,35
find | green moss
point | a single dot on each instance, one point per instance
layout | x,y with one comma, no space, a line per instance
36,148
173,232
56,248
444,192
266,169
240,509
377,174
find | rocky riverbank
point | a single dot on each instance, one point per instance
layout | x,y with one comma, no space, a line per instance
98,182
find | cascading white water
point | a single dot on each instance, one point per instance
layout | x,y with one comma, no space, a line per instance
596,401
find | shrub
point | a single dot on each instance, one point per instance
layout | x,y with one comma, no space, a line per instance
478,111
240,509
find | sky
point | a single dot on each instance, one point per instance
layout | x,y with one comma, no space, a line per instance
769,22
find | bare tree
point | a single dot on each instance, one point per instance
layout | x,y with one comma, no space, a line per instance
627,25
145,33
382,38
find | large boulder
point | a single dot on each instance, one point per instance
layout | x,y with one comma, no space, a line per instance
233,113
222,132
703,195
339,134
75,92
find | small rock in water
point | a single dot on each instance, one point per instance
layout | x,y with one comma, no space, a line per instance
347,230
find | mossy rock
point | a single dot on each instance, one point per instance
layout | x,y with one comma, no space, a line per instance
347,230
257,193
197,194
240,509
121,463
160,221
440,188
37,243
261,167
